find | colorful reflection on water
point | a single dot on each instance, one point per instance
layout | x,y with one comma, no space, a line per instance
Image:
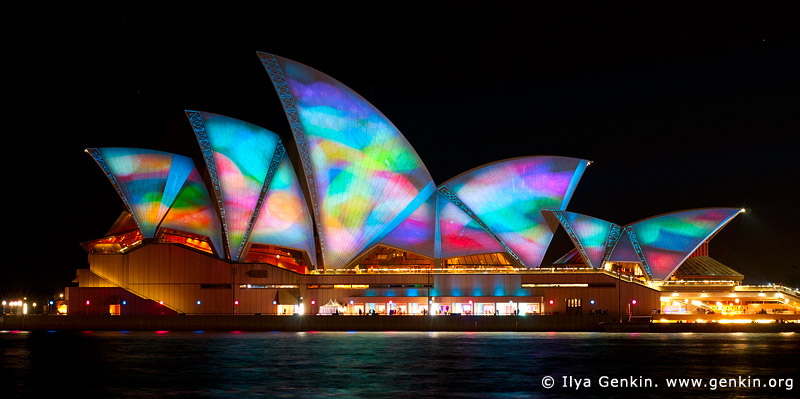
383,364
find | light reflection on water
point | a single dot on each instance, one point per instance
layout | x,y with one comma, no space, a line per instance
381,364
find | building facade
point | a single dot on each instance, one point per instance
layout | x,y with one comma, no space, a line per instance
344,218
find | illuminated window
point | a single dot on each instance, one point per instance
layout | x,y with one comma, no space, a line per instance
573,302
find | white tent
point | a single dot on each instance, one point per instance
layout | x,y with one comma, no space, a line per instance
332,307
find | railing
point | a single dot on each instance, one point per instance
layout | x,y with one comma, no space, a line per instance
471,270
770,287
684,283
507,270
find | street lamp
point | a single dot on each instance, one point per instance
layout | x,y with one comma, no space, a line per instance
619,293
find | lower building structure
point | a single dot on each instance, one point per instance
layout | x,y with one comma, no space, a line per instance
344,218
166,278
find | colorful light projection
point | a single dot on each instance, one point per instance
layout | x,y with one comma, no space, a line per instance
460,235
624,251
361,170
508,197
417,232
587,232
147,181
193,211
667,240
284,219
238,156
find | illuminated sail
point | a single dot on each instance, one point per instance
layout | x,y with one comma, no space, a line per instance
508,197
238,156
147,181
362,173
590,235
193,211
284,219
667,240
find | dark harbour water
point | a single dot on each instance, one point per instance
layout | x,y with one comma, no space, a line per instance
390,364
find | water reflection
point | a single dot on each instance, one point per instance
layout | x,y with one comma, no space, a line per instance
380,364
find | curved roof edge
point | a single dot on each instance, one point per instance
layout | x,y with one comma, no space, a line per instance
214,134
739,210
578,235
486,165
283,72
539,181
165,175
264,57
656,251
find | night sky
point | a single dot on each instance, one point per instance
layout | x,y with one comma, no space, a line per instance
678,109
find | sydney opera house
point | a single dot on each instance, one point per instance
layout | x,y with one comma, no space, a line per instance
344,218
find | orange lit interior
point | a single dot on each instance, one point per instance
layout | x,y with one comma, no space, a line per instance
493,261
383,257
115,243
277,256
193,241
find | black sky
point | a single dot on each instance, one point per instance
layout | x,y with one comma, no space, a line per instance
678,108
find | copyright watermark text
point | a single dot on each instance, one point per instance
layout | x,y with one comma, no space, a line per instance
635,382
